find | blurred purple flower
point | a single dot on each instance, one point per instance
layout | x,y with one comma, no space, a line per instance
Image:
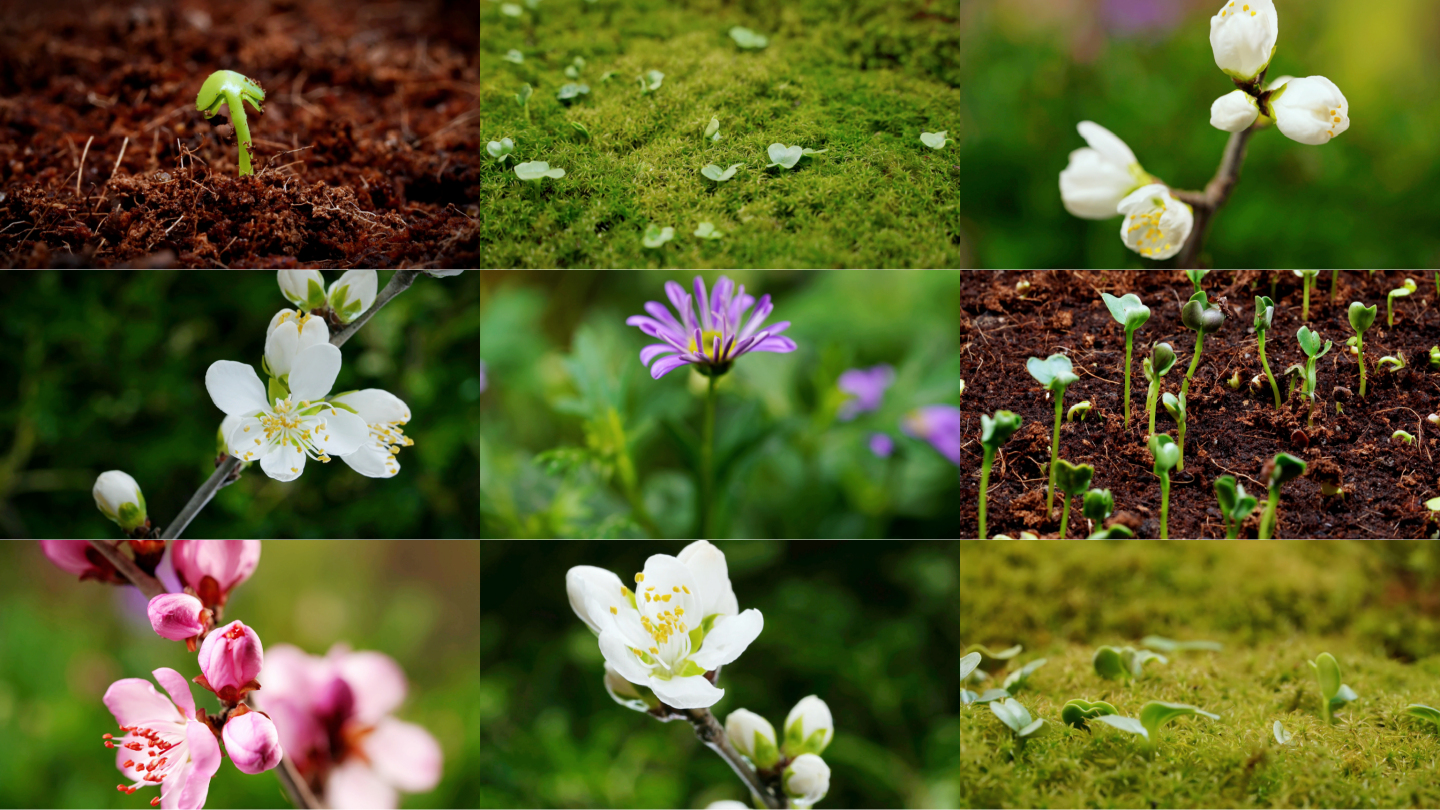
1133,16
867,387
937,424
714,339
882,445
482,376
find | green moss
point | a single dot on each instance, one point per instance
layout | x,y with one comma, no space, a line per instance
861,80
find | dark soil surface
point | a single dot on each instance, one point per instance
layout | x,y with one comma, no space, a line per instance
1229,431
366,154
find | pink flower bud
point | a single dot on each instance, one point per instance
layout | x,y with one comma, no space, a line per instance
226,563
252,742
177,616
230,659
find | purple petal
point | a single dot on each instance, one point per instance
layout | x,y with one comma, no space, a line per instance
704,304
653,328
737,309
762,311
669,364
720,303
676,293
650,352
662,314
729,347
777,328
775,344
746,343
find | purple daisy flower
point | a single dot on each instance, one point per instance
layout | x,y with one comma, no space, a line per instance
937,424
882,445
866,387
712,341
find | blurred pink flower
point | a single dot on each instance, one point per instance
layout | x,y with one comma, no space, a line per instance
226,563
81,559
164,743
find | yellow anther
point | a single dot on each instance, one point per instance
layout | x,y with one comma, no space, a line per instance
294,470
649,587
679,611
639,577
654,651
647,597
682,627
665,598
685,589
1252,14
257,441
613,611
247,429
1337,119
676,590
1245,7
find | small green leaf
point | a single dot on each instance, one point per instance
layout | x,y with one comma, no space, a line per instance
706,230
1072,479
1162,359
1286,468
1017,679
514,56
1170,645
934,140
655,236
1281,735
1077,711
1165,452
1099,504
277,389
580,129
1157,713
1127,310
748,39
1264,312
1129,724
713,172
1361,317
968,663
1010,712
1198,315
1424,712
1110,664
1055,372
1327,670
1080,408
995,432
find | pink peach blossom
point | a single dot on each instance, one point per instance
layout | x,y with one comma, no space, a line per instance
252,742
177,616
230,659
227,563
81,559
164,743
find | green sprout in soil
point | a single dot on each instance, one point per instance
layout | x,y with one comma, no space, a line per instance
1310,344
1281,735
523,98
1361,319
650,82
1198,315
1017,717
1333,693
1176,408
993,433
1080,410
1307,278
1264,316
1056,374
712,132
1196,276
1235,505
1424,712
1404,291
1123,662
1100,504
1077,711
706,230
1392,363
1153,716
1016,680
934,140
1284,467
232,89
1072,480
747,39
787,156
1131,314
1234,381
500,150
569,92
713,172
1401,436
1435,357
1166,455
1157,365
656,237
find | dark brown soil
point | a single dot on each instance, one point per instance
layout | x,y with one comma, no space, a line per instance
1229,432
366,154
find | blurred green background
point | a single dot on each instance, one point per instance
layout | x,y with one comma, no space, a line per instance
106,370
869,627
1144,69
559,357
63,642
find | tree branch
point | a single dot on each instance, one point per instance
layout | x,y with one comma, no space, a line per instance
708,729
398,284
1215,195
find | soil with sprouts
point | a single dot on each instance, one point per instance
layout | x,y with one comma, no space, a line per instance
366,154
1229,432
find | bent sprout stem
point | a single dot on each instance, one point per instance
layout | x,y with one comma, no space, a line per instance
1266,365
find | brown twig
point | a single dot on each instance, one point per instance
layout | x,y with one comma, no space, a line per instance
1215,195
708,729
80,170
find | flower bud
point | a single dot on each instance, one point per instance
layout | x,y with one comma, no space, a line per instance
303,288
807,779
177,616
627,694
727,804
230,659
1311,110
353,294
1234,112
753,736
252,742
119,498
1243,36
1098,177
226,563
882,445
808,728
1156,224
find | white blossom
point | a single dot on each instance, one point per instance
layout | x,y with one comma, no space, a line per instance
1311,110
1099,176
807,779
1156,224
1242,36
1234,112
118,497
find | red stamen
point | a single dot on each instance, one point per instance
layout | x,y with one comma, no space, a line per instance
154,801
108,736
109,744
129,763
120,788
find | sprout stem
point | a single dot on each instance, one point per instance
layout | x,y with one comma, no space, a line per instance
1268,520
1129,335
1150,405
1334,285
1266,365
1199,342
1180,441
1054,454
1064,516
242,130
1360,345
985,484
1305,312
1165,506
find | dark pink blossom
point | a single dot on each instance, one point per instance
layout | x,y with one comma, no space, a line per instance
164,743
230,659
81,559
224,563
177,616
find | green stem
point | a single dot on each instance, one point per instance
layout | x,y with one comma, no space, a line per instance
1334,285
1150,405
1389,311
984,485
626,468
1266,365
1128,336
1185,386
1267,520
1305,313
242,131
1310,411
1065,515
1054,454
707,472
1360,345
1165,506
1180,434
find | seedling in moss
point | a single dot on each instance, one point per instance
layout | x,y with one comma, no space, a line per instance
569,92
712,132
993,433
968,664
1077,711
1264,316
1130,314
1333,693
1016,680
747,39
1401,436
1153,716
232,89
655,236
650,82
500,150
1392,363
1171,645
523,99
1284,467
1072,480
1017,717
934,140
1176,407
1424,712
1196,276
1197,314
1361,319
1099,504
1307,277
573,69
706,230
580,129
1404,291
1078,410
1310,344
713,172
1281,735
514,56
1123,662
511,10
537,170
1235,505
1157,365
787,156
1166,455
1057,374
1005,654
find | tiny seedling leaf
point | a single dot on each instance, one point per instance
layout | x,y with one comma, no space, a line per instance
1012,714
706,230
570,91
1030,729
580,129
1099,504
713,128
784,156
968,663
1162,358
536,170
748,39
1077,711
501,149
1003,655
1281,735
1157,713
934,140
1055,372
1424,712
1016,679
995,432
1197,314
1327,670
655,236
714,173
1129,724
1170,645
1165,451
514,56
992,694
1127,310
1072,479
1361,317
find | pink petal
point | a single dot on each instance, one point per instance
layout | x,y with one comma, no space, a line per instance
377,681
179,690
229,562
68,554
354,785
188,785
405,755
300,732
134,702
175,616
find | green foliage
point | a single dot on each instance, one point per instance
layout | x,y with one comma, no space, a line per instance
1404,291
1123,662
1077,711
1235,505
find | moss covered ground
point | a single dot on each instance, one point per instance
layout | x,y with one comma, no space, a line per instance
858,78
1274,606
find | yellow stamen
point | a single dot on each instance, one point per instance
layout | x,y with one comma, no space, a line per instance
665,598
654,651
639,577
613,611
685,589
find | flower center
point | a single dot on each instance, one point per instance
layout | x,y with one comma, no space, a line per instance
151,757
707,338
389,436
300,319
1152,240
286,425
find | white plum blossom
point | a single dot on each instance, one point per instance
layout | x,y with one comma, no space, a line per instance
383,414
118,497
351,295
1099,176
303,288
1242,36
807,779
1234,112
809,727
289,333
1156,224
753,736
1311,110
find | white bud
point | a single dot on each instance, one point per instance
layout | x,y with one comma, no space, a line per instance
353,293
296,286
753,736
1311,110
808,728
807,779
583,580
1242,36
1234,112
727,804
1156,224
627,694
119,498
1099,176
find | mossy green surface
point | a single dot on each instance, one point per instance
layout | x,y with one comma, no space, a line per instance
1274,605
859,79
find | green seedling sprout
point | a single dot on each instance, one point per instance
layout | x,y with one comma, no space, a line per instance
1284,467
233,90
1435,357
1072,480
713,172
1130,314
1171,645
650,82
580,129
1281,735
569,92
1153,716
1123,662
1005,654
1234,381
1197,314
523,98
1361,319
1401,436
934,140
656,237
1296,375
968,663
1264,316
787,156
1079,410
712,132
1307,278
1077,711
1404,291
1017,717
1166,455
1424,712
1196,276
1016,680
1057,374
1393,363
1235,505
514,56
1176,408
993,433
1333,693
747,39
706,230
1310,344
537,170
1433,504
1157,365
500,150
1099,504
573,70
962,388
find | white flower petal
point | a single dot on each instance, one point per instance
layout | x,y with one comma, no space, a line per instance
281,346
284,462
314,332
605,583
314,372
342,432
370,461
1107,143
693,692
728,639
235,388
376,406
1234,111
712,577
618,654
